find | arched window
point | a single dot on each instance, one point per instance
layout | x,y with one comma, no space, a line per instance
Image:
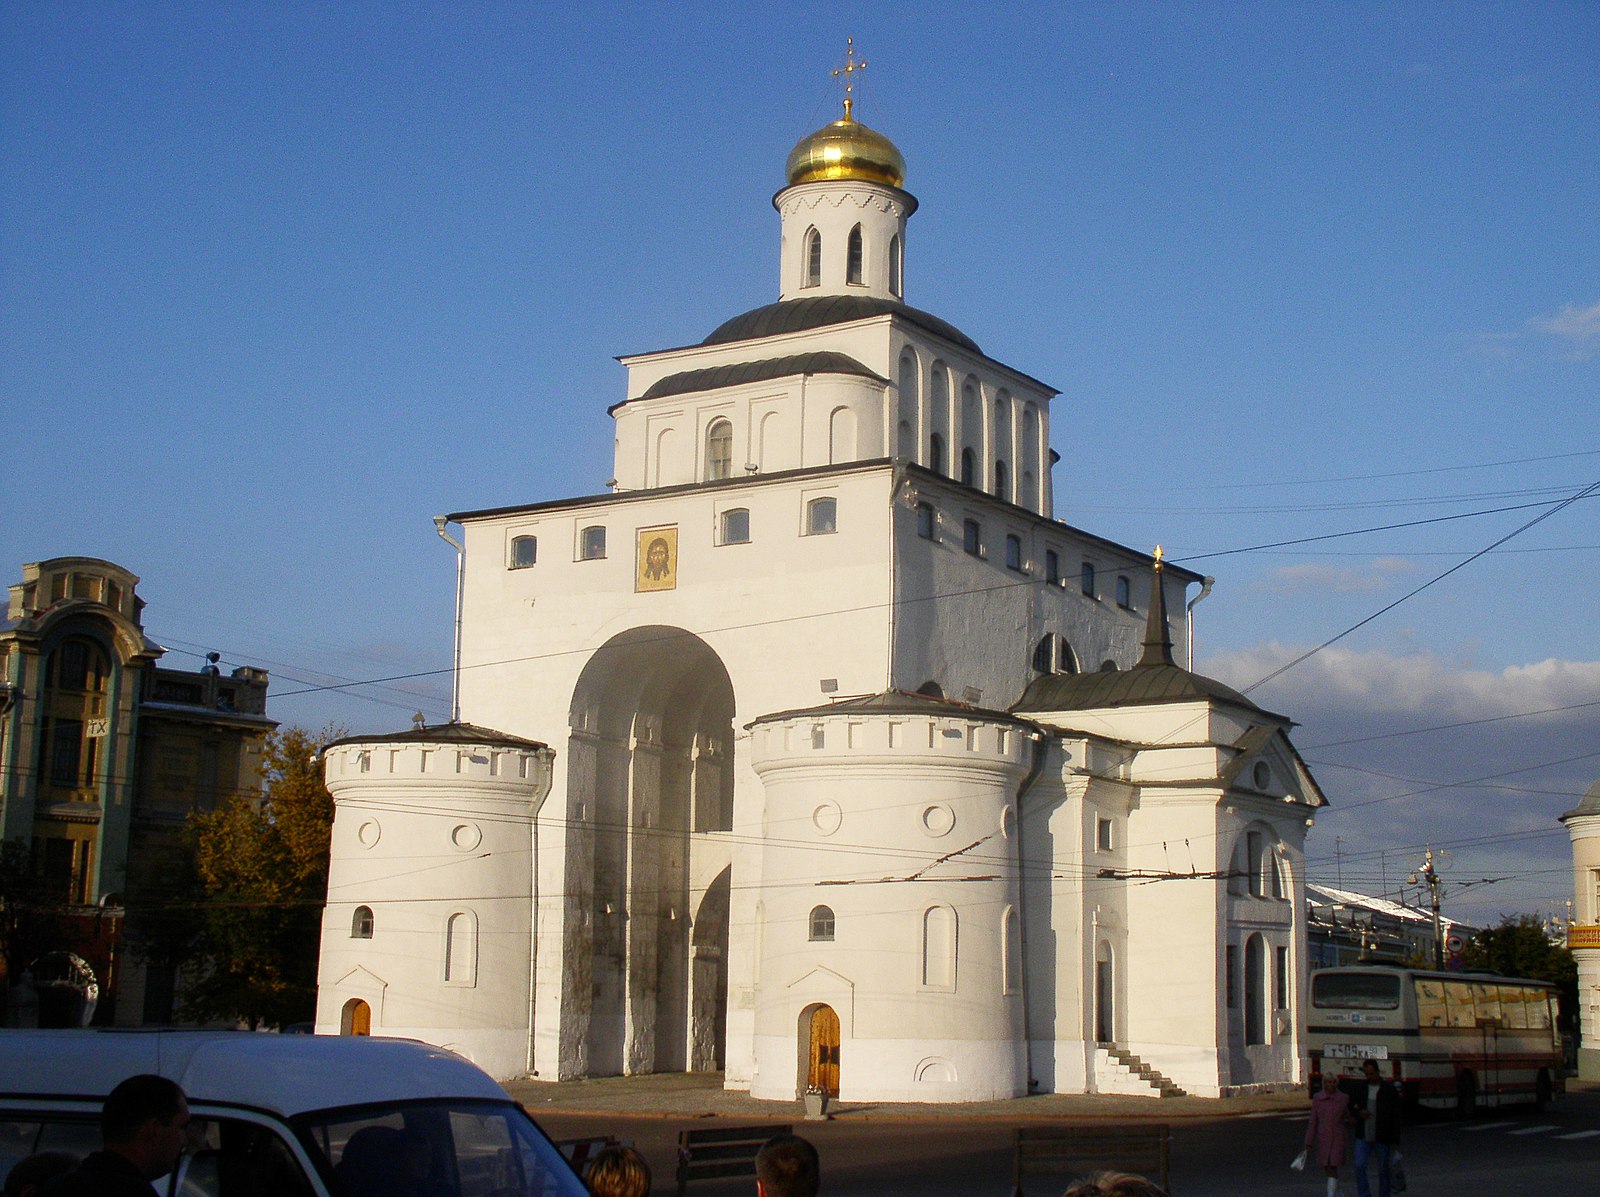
77,680
1010,953
822,515
524,551
927,522
592,543
1124,592
1002,481
821,925
939,947
1255,990
736,526
1052,567
1086,578
1066,659
719,450
972,537
969,468
361,923
1013,551
813,251
896,267
461,948
1044,653
852,261
936,453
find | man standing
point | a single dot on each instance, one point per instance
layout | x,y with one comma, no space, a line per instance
142,1128
1377,1110
787,1167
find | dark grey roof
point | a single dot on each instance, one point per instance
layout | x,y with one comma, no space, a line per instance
1142,685
444,733
774,367
797,315
894,702
1155,679
1589,806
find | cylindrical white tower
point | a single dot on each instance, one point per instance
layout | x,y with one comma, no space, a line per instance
844,214
1583,933
888,937
427,933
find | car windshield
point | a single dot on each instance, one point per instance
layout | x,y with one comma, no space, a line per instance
438,1149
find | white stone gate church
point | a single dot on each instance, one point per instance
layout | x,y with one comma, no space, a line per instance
823,754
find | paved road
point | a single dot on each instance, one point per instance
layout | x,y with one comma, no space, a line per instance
863,1155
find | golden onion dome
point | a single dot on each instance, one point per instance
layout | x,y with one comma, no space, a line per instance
846,149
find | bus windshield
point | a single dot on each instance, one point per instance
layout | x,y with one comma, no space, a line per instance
1356,991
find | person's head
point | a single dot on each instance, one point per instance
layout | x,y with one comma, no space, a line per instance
144,1120
1115,1184
787,1167
34,1172
1330,1082
1369,1069
657,554
617,1172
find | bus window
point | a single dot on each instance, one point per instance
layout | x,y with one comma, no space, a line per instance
1487,1000
1356,991
1539,1010
1458,1004
1514,1006
1430,1003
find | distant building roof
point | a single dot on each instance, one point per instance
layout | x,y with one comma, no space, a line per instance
895,702
1589,806
798,315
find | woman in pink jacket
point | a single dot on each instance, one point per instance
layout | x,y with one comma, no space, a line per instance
1328,1132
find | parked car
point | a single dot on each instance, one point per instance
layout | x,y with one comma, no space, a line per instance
287,1115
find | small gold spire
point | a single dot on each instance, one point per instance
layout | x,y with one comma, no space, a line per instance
1158,555
850,67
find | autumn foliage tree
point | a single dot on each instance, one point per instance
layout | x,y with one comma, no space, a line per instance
262,864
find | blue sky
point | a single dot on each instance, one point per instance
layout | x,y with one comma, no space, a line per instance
279,282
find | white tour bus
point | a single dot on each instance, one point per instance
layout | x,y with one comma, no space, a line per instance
1449,1040
287,1115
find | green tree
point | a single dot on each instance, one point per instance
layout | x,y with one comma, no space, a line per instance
262,865
1519,947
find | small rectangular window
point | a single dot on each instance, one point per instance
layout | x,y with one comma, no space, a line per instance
1281,989
1086,578
592,543
972,537
1052,567
524,551
927,522
1124,593
1103,835
1014,552
736,526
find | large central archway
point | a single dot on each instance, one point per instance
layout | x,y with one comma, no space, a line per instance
649,771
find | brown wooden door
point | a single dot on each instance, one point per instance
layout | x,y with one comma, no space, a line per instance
824,1070
360,1018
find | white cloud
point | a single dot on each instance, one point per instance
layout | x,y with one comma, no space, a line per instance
1390,795
1578,327
1378,574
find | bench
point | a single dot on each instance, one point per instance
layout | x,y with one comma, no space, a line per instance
728,1151
1076,1151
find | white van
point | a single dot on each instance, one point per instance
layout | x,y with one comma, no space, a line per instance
289,1115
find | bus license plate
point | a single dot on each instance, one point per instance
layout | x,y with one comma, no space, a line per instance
1355,1051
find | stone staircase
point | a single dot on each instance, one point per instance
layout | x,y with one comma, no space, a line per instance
1124,1062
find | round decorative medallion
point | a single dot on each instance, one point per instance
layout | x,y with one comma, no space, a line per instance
368,833
466,837
938,820
827,817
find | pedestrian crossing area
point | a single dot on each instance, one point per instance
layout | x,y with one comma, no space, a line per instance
1550,1130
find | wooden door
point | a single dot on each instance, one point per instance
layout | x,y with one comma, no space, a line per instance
823,1072
360,1018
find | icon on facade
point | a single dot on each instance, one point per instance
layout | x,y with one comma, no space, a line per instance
657,560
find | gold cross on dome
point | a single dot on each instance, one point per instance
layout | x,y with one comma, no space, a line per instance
850,67
1158,555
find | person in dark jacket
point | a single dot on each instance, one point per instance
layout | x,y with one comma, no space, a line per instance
142,1127
1376,1108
